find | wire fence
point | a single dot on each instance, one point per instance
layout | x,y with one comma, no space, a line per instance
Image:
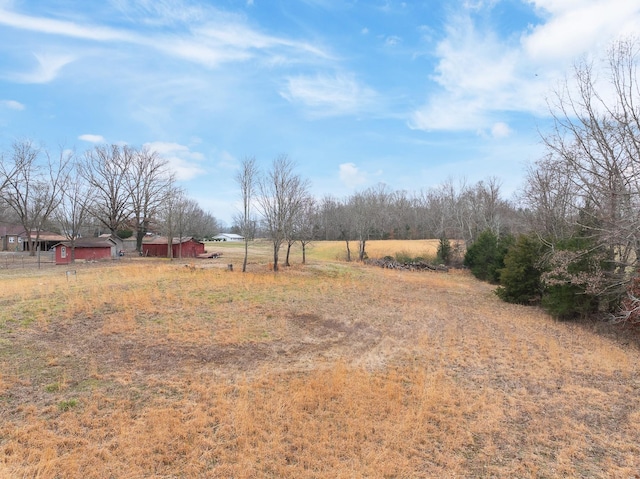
22,260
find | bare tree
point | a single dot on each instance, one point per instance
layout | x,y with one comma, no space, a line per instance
35,189
186,212
369,210
306,225
106,169
549,198
595,147
148,184
280,200
73,210
202,224
170,217
246,179
8,169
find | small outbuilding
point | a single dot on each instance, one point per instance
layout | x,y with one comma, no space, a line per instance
118,243
180,248
86,249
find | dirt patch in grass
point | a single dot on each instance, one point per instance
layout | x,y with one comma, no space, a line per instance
150,369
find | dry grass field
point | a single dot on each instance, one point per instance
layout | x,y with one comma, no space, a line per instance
147,368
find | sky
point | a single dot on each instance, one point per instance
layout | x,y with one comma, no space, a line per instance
407,93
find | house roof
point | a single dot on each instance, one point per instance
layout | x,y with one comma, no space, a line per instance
229,236
109,235
90,243
11,230
48,236
164,240
18,230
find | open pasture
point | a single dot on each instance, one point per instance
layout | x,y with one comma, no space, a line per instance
148,368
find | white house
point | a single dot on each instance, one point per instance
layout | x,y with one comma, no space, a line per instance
228,237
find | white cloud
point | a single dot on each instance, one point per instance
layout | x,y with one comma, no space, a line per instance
211,37
500,130
351,176
92,138
48,68
182,161
483,76
392,40
578,26
446,113
12,105
329,95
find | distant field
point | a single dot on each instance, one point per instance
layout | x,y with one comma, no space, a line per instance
260,251
157,368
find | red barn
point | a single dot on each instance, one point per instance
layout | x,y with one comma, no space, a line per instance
87,249
159,246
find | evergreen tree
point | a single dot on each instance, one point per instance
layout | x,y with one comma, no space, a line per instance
485,257
520,278
444,251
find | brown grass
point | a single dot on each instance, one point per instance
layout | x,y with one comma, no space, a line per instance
151,369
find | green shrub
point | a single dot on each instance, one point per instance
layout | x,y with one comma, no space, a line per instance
403,257
444,251
124,234
520,278
485,257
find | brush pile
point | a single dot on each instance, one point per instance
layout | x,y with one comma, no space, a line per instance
390,263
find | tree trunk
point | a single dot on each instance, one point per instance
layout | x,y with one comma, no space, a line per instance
348,251
361,252
275,257
286,260
246,254
139,237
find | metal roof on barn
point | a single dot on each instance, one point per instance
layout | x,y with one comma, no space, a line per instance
164,240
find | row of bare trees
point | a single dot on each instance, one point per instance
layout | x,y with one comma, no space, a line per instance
277,203
109,187
450,210
282,199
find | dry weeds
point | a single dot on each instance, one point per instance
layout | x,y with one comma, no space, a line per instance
151,369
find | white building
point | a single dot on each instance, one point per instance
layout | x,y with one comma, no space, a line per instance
228,237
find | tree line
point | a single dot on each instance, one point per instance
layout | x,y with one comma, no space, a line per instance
122,190
276,203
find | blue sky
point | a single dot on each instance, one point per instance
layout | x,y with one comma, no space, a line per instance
407,93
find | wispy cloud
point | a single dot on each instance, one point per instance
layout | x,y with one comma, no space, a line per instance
186,164
61,27
483,76
351,176
392,40
204,36
12,105
329,95
500,130
92,138
47,69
